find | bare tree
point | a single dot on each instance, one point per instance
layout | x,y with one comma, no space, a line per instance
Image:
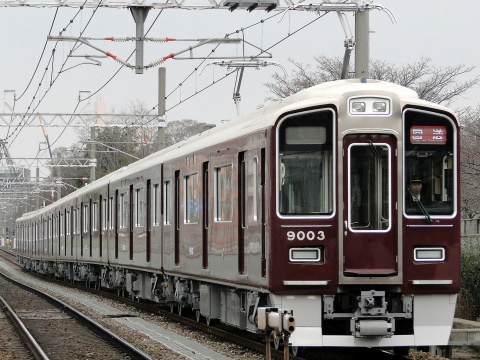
441,85
470,162
179,130
120,145
72,177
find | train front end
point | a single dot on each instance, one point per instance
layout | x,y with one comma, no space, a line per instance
358,252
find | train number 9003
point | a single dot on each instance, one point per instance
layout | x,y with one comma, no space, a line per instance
305,235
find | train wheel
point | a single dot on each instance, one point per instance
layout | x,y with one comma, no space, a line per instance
179,309
198,316
208,320
172,307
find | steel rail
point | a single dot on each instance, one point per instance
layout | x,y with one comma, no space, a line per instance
32,344
85,320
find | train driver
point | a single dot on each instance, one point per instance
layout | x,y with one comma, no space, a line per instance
413,193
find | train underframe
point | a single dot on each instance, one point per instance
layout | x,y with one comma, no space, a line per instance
355,316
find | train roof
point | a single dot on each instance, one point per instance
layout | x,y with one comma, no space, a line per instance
326,93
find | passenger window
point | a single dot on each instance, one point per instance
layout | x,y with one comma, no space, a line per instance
167,202
223,193
191,199
156,204
139,205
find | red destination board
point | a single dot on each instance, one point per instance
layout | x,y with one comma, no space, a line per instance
428,135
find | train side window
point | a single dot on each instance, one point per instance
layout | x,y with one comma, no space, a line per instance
191,199
167,202
62,229
156,204
104,214
85,218
224,193
253,190
138,208
122,213
430,164
110,213
305,164
69,223
75,222
95,216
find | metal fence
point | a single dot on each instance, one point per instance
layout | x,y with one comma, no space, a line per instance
470,226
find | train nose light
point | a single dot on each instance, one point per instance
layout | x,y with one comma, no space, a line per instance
380,107
305,254
358,107
429,254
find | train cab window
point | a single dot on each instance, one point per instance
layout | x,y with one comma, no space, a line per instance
191,199
305,164
224,193
429,164
369,186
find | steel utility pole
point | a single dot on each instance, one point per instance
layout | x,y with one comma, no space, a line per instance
162,79
139,15
362,43
93,149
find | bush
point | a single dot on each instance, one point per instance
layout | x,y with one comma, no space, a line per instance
468,306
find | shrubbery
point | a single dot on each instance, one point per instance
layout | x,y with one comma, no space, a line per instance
468,305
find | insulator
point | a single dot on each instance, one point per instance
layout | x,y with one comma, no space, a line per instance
123,62
158,39
122,39
156,62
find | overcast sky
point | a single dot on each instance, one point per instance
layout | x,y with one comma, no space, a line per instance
445,31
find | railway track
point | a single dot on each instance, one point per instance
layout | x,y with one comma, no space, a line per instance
53,330
244,339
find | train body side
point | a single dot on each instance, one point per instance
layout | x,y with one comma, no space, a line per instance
299,206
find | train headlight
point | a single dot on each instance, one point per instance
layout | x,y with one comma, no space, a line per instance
374,105
358,107
429,254
305,254
380,107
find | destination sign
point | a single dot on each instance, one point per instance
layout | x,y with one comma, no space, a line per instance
428,135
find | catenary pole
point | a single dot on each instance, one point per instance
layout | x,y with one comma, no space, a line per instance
362,43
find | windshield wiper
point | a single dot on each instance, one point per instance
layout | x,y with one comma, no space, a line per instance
376,154
419,204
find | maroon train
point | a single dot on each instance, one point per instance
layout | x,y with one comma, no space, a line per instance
303,205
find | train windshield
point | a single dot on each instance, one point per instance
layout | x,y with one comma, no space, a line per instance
305,164
369,186
429,164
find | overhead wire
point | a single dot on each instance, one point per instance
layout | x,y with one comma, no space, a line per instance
20,126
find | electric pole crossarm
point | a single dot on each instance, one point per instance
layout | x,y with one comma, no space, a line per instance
205,4
47,162
77,120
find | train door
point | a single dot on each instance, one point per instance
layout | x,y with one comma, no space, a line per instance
370,211
205,217
149,221
241,212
